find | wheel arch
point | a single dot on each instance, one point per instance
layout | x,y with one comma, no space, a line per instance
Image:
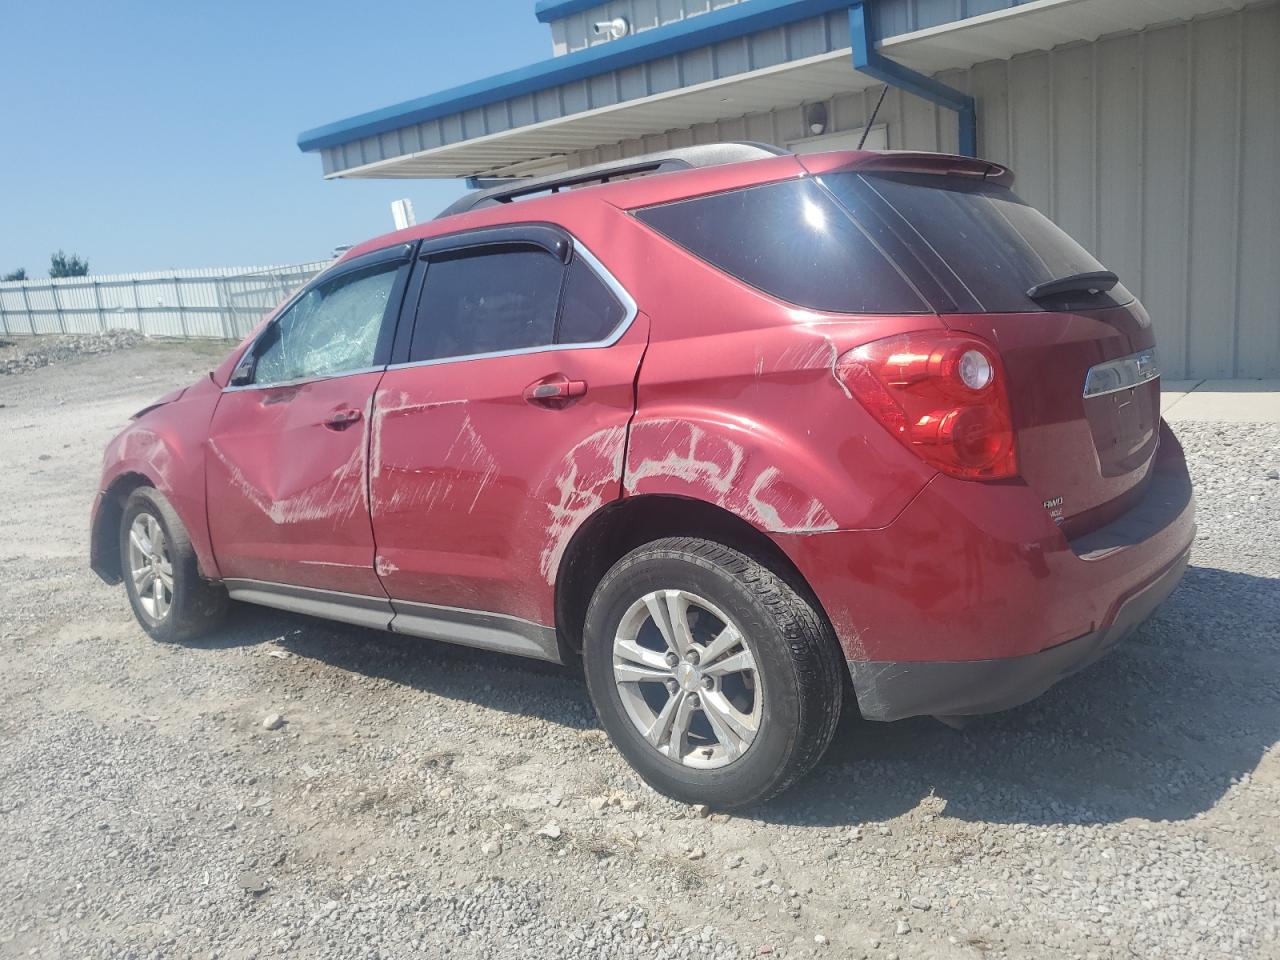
622,525
104,544
163,447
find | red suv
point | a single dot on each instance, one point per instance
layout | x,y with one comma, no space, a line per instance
735,426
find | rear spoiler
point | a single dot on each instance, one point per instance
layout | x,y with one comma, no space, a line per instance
907,161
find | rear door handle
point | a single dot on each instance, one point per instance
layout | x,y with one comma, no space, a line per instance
343,418
555,390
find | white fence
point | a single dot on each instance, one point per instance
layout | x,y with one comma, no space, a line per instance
212,302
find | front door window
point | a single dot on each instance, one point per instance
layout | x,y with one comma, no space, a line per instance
332,329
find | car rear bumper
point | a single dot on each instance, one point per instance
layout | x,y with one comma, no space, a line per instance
973,600
889,690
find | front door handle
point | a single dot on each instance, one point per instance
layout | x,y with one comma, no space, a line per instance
555,390
342,418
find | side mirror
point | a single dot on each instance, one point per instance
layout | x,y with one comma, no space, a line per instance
242,375
247,368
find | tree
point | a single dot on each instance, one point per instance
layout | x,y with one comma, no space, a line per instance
67,265
19,274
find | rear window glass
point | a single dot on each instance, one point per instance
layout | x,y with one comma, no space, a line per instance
792,241
997,245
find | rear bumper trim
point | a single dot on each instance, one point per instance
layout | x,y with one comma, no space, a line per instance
889,690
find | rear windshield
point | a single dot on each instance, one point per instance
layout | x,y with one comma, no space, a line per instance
794,242
995,245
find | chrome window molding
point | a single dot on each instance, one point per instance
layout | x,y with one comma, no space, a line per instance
1123,373
630,308
302,381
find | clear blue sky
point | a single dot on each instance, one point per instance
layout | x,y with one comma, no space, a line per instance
146,136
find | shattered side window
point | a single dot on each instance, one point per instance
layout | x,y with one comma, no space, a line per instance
332,329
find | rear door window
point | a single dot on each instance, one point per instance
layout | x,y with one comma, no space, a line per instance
994,244
792,241
479,302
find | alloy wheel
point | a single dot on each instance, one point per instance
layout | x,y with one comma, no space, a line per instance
688,679
150,566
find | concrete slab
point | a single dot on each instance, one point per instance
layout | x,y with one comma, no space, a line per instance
1171,391
1256,401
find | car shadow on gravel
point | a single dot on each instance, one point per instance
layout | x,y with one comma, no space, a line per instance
512,684
1158,730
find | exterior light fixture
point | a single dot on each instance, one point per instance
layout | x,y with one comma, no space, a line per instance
816,117
614,29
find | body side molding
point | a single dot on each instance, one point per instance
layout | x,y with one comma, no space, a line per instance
468,628
352,608
476,628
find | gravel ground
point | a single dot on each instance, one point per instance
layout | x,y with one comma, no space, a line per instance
423,800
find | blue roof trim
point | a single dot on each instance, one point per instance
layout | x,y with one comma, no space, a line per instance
873,63
726,23
548,10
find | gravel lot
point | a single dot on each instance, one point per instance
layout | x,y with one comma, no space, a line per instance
423,800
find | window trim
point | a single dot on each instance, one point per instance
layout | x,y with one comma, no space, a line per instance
550,239
464,241
400,253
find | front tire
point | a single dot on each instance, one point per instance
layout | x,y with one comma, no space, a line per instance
170,599
716,680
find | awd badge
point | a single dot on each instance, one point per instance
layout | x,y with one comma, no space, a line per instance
1054,507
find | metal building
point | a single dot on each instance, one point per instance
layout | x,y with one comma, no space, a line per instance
1149,129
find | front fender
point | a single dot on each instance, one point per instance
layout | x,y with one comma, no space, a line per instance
165,448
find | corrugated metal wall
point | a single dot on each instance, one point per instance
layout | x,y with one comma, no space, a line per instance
1159,151
903,16
803,38
766,48
212,302
575,32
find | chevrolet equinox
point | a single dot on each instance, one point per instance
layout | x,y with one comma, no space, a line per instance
749,433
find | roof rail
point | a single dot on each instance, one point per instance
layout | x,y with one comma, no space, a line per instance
682,158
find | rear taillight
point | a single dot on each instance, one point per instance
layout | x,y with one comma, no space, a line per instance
942,395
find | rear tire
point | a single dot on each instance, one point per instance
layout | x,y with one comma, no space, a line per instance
170,599
732,708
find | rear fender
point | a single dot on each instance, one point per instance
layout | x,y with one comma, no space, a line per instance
751,472
756,422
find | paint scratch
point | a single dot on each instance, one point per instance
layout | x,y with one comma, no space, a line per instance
720,470
334,497
587,474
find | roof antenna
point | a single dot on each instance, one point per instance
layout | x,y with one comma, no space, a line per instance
872,119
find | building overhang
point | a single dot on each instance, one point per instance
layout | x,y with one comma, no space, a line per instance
726,23
798,81
1031,26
